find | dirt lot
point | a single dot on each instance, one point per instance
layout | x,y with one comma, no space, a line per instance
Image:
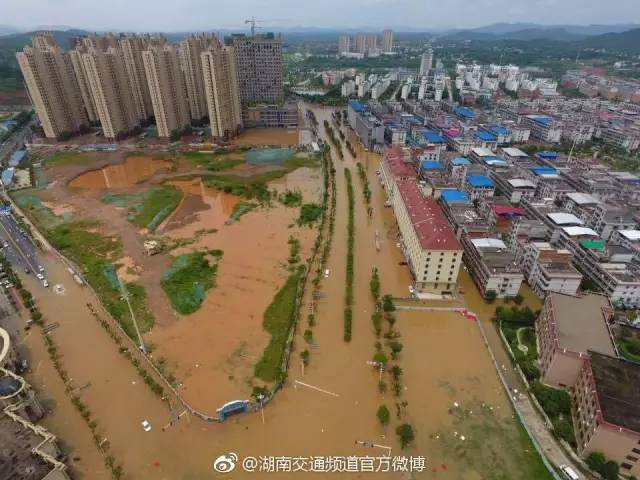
268,136
211,352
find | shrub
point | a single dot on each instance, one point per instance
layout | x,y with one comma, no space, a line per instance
406,434
383,415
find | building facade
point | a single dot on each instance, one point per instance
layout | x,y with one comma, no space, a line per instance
260,71
54,91
221,90
167,89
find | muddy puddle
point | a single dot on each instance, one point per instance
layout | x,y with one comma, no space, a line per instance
307,181
202,208
134,170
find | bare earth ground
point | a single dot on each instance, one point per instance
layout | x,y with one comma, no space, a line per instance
268,136
211,352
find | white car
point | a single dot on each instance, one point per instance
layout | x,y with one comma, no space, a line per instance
146,426
45,283
40,268
326,273
39,276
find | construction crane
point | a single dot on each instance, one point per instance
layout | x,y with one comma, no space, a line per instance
253,22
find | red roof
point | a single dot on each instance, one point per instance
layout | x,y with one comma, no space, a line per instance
506,210
428,221
399,168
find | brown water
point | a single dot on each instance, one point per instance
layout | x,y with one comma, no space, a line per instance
132,171
444,361
202,208
268,136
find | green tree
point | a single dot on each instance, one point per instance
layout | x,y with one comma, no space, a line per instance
596,461
405,434
610,470
518,299
490,296
383,415
387,303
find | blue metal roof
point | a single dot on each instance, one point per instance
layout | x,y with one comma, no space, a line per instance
542,119
548,155
17,157
486,136
357,106
430,165
464,112
494,160
539,171
455,196
500,130
432,137
460,161
480,181
7,176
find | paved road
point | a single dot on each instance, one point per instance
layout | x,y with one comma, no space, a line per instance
20,249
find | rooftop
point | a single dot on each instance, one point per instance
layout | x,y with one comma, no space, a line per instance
515,152
455,196
521,183
579,231
485,136
581,322
564,218
582,198
482,152
431,165
464,112
618,389
632,235
429,223
460,161
548,155
480,181
432,137
399,168
357,106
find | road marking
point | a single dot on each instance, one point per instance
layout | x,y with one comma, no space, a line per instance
298,382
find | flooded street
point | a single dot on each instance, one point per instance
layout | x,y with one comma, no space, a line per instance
444,359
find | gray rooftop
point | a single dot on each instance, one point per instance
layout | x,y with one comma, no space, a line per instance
618,388
581,323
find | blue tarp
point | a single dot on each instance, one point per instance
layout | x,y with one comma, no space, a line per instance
357,106
432,137
480,181
486,136
547,155
464,112
430,165
455,196
499,130
539,171
460,161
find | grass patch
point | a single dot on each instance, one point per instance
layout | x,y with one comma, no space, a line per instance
629,346
291,198
242,208
67,159
299,161
556,404
213,161
96,254
157,206
309,213
277,321
187,281
494,448
42,216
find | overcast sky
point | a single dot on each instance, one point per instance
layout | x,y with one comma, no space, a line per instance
180,15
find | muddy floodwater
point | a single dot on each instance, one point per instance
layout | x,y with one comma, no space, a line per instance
132,171
461,416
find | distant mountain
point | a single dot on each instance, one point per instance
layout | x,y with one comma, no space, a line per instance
18,40
7,30
628,41
584,30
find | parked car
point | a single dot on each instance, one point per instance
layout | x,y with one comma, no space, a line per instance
146,426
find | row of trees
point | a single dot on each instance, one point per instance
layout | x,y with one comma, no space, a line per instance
383,310
52,350
351,227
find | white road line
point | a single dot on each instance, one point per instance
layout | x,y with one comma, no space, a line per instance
298,382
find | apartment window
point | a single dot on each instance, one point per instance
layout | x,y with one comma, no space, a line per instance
626,466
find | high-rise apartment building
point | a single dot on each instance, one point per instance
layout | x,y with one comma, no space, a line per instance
191,49
75,56
387,41
132,47
259,63
111,91
344,44
167,89
221,89
52,86
361,43
426,64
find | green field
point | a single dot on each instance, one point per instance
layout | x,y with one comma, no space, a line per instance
214,162
69,159
277,321
149,208
187,281
96,256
